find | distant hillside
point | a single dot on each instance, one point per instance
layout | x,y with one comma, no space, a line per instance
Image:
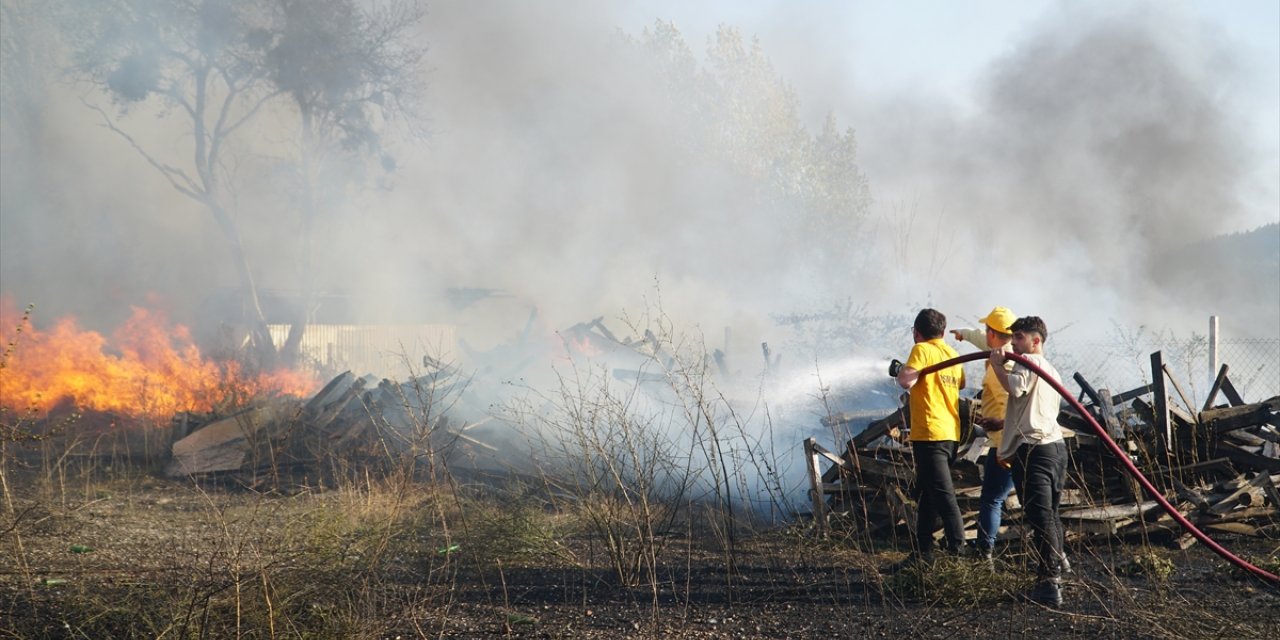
1262,244
1237,274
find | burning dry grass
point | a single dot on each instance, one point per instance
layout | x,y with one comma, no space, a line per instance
149,368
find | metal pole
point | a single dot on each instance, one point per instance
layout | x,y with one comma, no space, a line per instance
1213,349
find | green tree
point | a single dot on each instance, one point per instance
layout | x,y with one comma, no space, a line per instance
739,109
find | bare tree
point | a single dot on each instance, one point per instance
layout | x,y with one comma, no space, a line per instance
195,60
346,68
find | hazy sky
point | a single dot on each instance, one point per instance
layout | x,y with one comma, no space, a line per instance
1109,135
850,56
1116,132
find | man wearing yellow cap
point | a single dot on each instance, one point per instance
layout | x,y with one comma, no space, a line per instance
997,481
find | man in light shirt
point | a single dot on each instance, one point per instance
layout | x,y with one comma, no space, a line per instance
1033,443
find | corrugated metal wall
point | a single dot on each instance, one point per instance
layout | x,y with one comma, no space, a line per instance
388,350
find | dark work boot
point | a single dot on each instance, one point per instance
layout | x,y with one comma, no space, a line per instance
1048,592
956,551
914,561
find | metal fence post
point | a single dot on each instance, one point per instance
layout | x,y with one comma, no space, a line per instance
1213,349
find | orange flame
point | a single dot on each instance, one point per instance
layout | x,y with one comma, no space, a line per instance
151,369
580,344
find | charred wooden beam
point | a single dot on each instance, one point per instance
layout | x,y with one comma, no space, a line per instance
1266,432
1087,388
1192,495
1186,402
1217,386
1248,460
1106,519
721,365
1108,410
1219,464
875,468
902,508
1160,408
880,427
1247,494
1132,394
1271,489
843,418
812,452
1229,390
330,392
1074,421
1184,427
1226,419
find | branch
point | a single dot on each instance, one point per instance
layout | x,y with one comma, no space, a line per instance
187,186
182,57
221,130
172,93
232,92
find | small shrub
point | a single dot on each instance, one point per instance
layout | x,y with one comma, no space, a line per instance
1270,564
509,533
1149,565
956,582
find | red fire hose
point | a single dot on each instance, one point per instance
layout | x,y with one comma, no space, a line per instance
1120,455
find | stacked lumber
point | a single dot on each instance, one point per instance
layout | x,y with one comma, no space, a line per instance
433,415
351,417
1220,465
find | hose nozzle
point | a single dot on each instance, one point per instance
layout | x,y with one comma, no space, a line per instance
895,367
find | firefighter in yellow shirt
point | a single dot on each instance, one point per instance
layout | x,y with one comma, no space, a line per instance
935,430
997,481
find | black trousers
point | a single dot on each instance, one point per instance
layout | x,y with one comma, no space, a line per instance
936,495
1039,472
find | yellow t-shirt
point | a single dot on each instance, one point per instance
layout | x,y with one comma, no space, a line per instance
935,398
994,399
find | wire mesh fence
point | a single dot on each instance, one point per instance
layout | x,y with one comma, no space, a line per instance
1253,364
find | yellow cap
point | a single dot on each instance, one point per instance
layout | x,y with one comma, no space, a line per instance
1000,319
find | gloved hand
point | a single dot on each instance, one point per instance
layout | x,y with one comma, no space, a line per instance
895,367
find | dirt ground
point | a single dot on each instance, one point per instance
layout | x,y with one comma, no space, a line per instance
140,556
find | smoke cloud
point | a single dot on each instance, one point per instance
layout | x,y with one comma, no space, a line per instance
1091,153
1094,153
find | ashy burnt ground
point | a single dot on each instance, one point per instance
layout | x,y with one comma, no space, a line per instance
124,554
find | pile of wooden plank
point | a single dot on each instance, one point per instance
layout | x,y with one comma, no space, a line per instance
350,418
441,413
1220,465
